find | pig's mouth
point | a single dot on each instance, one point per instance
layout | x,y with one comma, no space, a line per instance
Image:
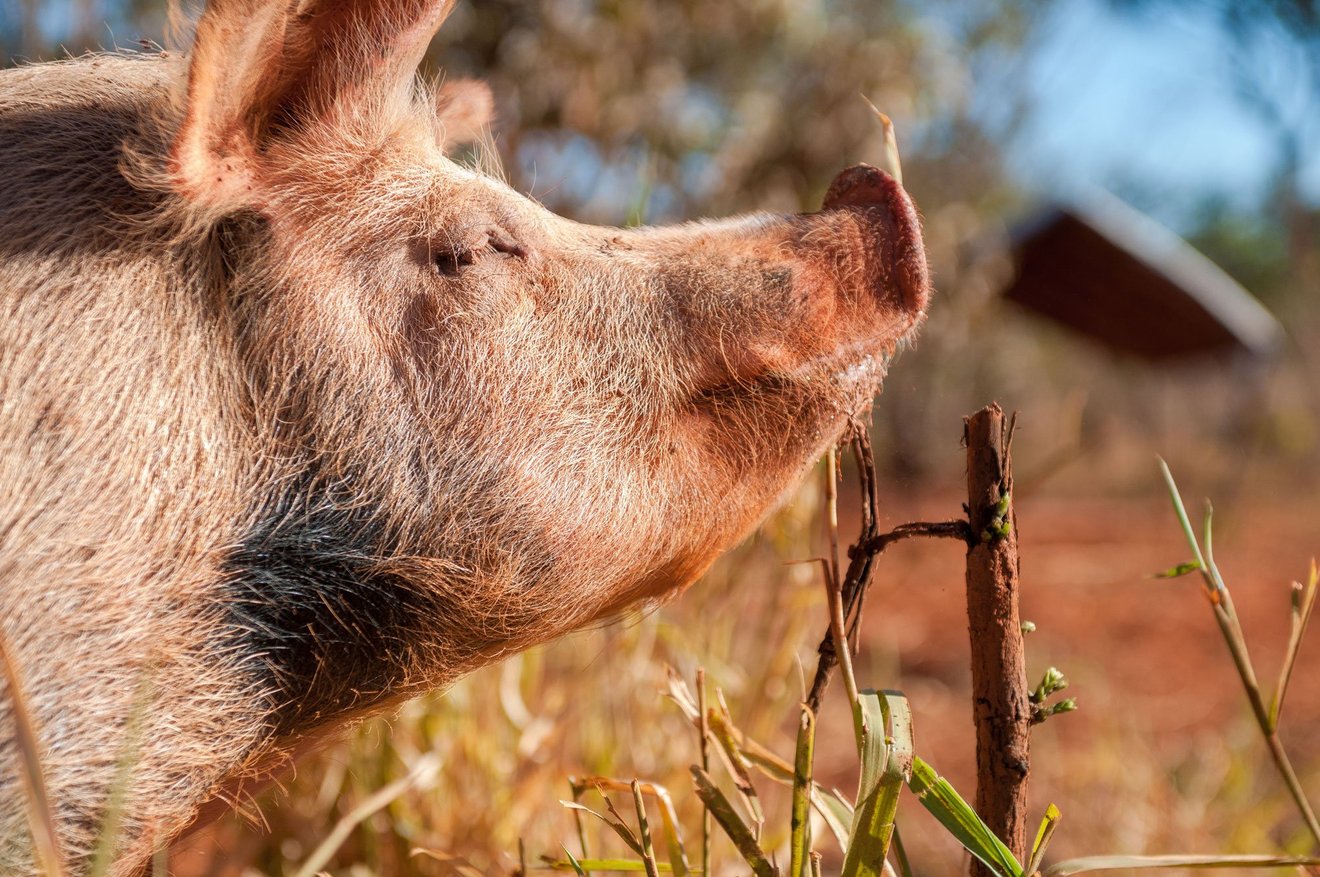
844,380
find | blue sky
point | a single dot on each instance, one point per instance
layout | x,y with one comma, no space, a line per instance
1144,103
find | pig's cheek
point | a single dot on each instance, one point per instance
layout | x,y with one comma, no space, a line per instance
483,296
422,324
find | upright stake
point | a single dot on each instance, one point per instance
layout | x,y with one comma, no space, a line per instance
1001,697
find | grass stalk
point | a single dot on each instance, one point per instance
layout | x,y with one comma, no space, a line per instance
644,832
1303,603
578,820
45,839
736,830
737,764
889,160
111,824
422,772
843,652
832,512
1230,628
800,825
834,585
668,815
900,855
703,727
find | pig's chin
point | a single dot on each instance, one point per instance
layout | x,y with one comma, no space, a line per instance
856,373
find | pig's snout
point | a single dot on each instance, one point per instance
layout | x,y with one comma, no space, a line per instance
892,219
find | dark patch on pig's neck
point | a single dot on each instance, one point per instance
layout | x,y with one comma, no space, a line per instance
313,615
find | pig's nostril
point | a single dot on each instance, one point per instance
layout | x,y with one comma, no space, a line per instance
861,186
869,188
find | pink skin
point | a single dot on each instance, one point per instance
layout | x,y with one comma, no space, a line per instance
330,420
845,314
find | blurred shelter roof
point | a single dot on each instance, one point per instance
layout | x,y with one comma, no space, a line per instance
1103,268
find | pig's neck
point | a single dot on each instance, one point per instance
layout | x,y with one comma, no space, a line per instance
321,629
334,621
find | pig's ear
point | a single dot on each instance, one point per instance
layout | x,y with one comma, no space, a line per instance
263,69
464,108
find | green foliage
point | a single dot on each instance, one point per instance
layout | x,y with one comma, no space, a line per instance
884,724
943,802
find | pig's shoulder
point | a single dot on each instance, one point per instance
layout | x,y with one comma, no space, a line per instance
65,128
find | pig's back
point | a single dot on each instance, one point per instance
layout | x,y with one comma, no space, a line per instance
118,484
63,129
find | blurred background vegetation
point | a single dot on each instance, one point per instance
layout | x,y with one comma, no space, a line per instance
1205,115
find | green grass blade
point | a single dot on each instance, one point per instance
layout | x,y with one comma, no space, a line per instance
1181,511
902,865
957,816
885,727
1042,841
1088,864
800,822
836,812
581,866
738,832
1182,569
571,862
1208,540
833,808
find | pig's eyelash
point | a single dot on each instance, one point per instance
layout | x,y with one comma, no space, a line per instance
500,241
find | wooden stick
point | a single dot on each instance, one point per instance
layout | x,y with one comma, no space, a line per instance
1000,694
861,559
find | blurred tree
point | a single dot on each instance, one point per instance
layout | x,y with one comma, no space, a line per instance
619,109
1247,245
657,111
626,111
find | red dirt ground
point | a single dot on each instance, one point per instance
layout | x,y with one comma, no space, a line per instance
1151,673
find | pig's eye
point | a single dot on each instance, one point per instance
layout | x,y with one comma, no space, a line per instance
451,261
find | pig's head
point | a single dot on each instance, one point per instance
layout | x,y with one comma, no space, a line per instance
481,424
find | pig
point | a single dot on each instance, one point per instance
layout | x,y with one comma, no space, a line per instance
299,417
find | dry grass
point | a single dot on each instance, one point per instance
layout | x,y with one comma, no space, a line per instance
1162,758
